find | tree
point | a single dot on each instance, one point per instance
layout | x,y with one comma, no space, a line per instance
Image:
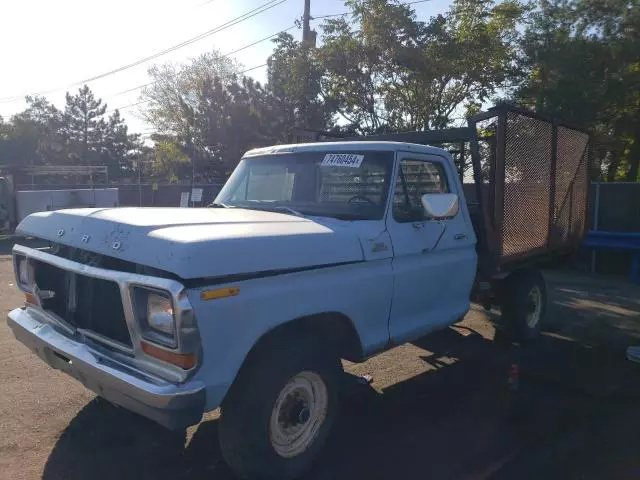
174,88
295,77
230,119
214,118
84,126
5,129
581,63
168,161
388,71
41,134
34,134
120,150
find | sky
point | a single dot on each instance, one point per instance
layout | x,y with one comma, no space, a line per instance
48,46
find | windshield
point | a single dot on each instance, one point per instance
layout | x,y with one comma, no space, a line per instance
351,186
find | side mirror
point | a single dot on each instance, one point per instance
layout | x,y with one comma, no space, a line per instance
440,205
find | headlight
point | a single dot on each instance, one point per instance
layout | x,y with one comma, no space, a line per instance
160,314
22,271
155,314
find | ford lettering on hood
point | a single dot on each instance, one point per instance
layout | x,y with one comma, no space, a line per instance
196,243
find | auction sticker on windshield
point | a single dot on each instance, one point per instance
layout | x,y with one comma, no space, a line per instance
342,160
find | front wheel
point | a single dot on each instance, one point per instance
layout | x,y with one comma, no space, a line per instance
279,412
524,303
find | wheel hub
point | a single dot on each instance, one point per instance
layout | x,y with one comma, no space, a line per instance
303,416
298,414
534,306
294,413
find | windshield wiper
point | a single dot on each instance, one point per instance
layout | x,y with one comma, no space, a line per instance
273,208
219,205
288,209
341,216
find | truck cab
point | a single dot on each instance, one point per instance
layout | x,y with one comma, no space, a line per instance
405,205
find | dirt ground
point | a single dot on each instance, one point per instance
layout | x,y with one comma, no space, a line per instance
437,409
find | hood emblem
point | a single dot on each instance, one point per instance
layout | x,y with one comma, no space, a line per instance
61,232
115,245
85,238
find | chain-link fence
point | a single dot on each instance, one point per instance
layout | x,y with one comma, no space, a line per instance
143,195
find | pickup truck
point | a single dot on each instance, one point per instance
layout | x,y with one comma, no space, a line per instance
310,254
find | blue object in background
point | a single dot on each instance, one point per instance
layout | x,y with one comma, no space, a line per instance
627,241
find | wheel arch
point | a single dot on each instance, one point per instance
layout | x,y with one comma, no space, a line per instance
334,329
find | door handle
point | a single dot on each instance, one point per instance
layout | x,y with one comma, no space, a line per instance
460,236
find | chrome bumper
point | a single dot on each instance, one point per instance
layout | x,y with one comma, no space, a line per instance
172,405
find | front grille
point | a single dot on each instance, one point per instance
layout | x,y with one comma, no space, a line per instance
97,305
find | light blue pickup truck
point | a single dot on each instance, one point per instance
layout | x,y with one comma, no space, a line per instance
310,253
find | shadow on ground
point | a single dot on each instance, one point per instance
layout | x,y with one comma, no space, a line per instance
459,420
594,309
573,416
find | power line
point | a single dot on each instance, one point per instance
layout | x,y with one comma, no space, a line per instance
319,17
252,13
134,89
145,101
126,106
223,56
264,40
330,15
245,16
253,68
259,41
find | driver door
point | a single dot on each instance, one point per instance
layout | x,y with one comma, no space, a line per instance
434,260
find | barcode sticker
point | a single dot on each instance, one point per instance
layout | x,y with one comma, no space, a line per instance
350,160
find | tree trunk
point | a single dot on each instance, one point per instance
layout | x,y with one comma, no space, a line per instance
613,166
85,142
634,158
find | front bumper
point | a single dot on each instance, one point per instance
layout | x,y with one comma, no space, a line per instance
172,405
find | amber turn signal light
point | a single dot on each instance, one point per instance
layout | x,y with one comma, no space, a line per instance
30,299
182,360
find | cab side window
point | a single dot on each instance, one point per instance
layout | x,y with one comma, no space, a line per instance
415,179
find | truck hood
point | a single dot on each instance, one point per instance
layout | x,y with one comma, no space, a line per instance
204,242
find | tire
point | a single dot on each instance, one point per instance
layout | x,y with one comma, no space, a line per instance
524,304
267,400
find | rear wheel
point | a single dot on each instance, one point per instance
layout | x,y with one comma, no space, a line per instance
279,412
524,303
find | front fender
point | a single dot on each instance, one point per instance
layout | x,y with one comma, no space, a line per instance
231,326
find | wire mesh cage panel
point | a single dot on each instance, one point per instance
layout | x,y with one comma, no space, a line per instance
538,183
579,196
569,210
527,160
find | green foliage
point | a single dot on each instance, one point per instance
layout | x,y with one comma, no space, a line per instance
168,161
175,89
83,124
295,77
120,151
386,70
581,63
217,116
33,136
43,135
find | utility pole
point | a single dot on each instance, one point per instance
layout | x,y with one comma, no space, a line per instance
306,18
308,42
